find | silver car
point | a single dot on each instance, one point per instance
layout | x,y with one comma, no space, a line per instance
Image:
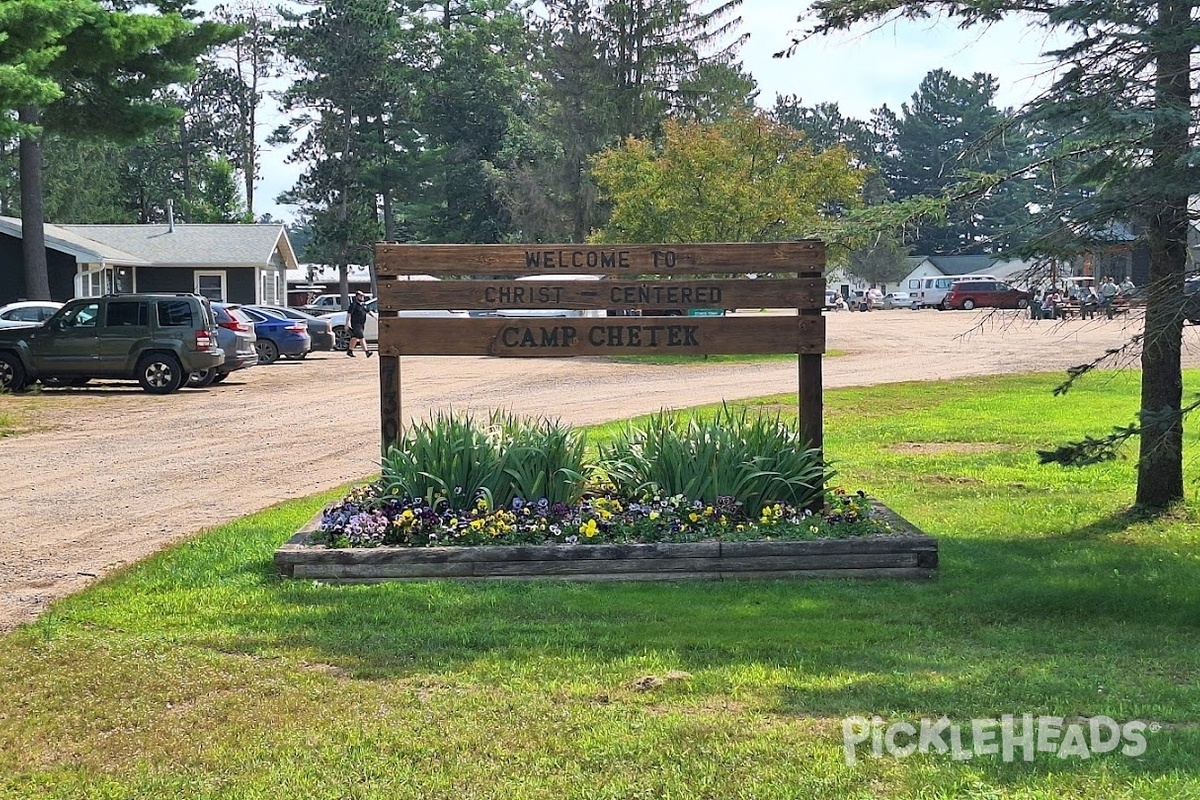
235,335
27,313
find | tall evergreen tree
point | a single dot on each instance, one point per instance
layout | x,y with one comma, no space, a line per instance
1126,88
473,100
948,132
105,67
826,126
232,80
351,83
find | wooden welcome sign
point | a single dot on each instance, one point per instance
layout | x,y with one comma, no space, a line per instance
678,278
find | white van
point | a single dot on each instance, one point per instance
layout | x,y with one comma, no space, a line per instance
929,292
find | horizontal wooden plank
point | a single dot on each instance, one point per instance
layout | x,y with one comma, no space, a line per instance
822,561
627,260
463,569
593,566
488,553
895,573
591,336
542,294
873,544
907,573
399,565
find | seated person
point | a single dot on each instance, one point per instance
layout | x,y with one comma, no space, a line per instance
1089,303
1050,301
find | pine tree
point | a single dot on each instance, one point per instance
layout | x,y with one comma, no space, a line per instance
1125,91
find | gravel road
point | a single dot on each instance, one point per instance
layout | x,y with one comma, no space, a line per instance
110,475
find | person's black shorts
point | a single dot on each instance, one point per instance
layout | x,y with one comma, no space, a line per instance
356,332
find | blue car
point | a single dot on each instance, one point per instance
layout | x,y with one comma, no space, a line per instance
277,336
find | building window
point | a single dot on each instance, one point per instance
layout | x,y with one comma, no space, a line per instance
93,281
211,285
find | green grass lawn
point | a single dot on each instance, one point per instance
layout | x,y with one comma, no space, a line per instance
198,674
16,412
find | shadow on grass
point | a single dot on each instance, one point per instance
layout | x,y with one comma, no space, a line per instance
1001,607
1074,623
1013,626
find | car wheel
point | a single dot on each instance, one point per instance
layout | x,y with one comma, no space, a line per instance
341,338
12,373
968,304
220,376
160,373
268,353
1022,303
202,378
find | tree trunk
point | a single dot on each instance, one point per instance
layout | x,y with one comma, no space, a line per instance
33,222
1160,458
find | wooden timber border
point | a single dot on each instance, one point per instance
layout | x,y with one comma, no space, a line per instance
908,554
663,277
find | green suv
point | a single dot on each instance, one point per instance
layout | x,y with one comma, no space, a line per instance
157,339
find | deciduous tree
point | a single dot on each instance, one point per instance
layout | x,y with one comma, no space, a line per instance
742,179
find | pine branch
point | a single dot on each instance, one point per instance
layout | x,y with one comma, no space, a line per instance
1091,450
1078,371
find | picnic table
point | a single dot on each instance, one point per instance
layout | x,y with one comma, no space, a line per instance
1066,309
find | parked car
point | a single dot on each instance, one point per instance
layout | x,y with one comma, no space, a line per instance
27,313
371,329
235,335
1191,300
319,328
324,304
861,300
278,336
931,291
157,340
897,300
832,300
985,294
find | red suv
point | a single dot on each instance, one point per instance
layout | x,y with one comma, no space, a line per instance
985,294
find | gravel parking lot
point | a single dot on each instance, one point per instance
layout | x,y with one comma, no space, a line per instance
110,474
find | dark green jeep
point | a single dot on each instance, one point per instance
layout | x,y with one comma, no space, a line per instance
157,339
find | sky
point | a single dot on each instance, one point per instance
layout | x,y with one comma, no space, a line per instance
860,70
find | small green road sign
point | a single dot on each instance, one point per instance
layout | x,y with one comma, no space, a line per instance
706,312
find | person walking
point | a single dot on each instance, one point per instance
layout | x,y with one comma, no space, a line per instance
356,320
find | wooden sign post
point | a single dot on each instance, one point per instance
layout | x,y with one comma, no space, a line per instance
683,278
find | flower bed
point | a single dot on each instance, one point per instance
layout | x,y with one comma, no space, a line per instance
452,502
368,517
886,546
